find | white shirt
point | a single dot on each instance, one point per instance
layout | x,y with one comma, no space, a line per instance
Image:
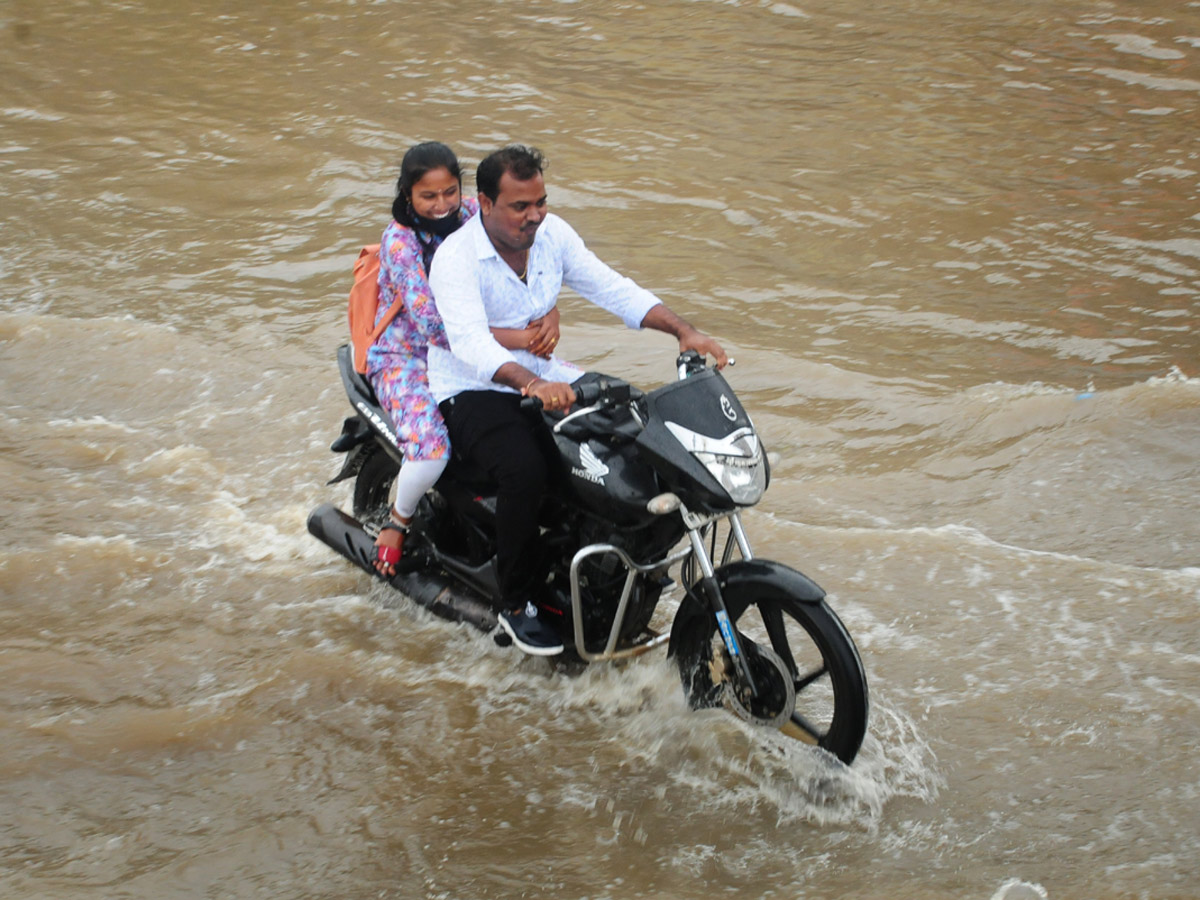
475,290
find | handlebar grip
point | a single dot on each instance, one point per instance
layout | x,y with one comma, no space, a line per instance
690,362
604,391
588,394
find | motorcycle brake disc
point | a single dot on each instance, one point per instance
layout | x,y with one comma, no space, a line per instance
776,699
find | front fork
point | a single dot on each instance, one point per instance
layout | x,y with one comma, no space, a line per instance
712,590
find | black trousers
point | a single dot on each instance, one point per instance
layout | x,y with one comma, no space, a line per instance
516,451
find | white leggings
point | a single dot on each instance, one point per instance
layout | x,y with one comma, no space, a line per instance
415,478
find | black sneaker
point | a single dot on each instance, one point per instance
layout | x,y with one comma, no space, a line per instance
530,633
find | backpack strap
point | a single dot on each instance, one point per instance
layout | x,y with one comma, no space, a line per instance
392,312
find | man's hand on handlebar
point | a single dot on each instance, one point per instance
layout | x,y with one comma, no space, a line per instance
660,318
554,395
692,339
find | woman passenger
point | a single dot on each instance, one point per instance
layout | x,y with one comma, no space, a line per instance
429,206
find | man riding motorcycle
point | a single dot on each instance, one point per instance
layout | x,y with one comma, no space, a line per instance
502,269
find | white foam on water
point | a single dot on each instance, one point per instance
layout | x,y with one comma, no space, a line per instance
725,763
1139,45
637,710
92,422
1154,82
276,545
786,9
966,535
104,543
1004,392
32,115
1016,889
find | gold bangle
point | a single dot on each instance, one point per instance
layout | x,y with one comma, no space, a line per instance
531,382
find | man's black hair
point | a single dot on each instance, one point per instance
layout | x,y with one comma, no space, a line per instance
419,160
519,161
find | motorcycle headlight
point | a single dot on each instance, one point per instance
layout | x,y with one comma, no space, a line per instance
735,461
743,479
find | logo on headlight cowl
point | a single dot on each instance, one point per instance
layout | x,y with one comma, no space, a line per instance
727,409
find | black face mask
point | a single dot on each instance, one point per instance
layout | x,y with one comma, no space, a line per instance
447,224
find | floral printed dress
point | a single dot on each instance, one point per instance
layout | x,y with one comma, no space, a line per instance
396,363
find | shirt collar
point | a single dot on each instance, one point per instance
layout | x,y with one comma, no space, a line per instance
484,248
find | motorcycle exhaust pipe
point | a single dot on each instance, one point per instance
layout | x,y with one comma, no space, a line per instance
439,595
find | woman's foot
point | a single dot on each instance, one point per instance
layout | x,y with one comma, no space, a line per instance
389,545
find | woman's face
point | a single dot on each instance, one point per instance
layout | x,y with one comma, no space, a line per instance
436,194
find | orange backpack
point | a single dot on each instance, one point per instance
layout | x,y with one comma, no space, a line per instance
364,305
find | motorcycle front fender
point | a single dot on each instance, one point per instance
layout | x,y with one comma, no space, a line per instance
742,583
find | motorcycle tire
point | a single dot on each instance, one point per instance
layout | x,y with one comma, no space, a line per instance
831,703
373,486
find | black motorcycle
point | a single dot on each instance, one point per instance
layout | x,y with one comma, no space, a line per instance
648,482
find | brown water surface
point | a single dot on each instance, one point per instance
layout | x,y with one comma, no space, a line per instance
956,251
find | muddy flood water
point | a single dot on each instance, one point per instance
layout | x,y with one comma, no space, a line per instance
955,248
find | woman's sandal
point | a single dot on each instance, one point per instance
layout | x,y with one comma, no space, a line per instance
391,555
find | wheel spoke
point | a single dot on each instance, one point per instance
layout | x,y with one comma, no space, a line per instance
803,730
802,683
773,621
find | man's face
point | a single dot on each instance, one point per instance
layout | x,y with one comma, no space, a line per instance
513,219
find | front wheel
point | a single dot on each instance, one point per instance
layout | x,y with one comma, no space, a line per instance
810,680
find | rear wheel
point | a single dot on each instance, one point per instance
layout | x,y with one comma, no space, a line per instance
373,488
810,680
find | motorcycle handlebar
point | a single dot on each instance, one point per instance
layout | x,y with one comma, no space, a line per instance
613,392
606,392
690,362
